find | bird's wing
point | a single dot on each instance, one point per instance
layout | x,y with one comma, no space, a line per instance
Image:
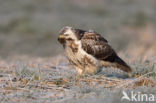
95,45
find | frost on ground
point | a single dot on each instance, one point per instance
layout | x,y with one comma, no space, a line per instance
30,27
54,80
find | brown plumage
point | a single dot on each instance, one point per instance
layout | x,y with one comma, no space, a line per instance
89,51
97,46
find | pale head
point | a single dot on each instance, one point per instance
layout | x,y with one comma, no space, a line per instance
68,34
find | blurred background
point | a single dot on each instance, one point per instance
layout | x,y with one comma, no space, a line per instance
30,27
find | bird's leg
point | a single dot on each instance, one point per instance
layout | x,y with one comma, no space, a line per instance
80,73
79,70
91,70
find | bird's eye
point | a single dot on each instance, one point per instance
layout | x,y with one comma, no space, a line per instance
69,39
65,34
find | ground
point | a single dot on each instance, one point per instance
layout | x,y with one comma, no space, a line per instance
34,69
54,80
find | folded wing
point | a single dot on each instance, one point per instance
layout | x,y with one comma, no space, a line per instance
95,45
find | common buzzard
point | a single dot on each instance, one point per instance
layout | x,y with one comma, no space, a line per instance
88,51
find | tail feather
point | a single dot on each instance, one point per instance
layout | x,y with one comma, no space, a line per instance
122,65
117,63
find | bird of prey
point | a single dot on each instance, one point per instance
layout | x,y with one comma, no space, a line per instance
88,51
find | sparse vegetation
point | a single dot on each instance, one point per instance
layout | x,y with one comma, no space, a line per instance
29,72
40,80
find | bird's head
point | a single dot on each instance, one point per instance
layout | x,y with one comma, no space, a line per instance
68,34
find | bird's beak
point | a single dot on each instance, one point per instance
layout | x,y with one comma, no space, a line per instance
61,39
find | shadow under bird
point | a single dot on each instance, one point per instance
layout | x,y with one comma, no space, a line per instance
88,51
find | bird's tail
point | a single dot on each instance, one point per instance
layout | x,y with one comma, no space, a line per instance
122,65
117,63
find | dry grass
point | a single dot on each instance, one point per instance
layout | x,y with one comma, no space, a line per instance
28,37
54,80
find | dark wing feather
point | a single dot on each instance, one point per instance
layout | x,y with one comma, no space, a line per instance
95,45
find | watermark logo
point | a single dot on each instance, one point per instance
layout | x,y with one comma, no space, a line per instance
137,96
125,96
